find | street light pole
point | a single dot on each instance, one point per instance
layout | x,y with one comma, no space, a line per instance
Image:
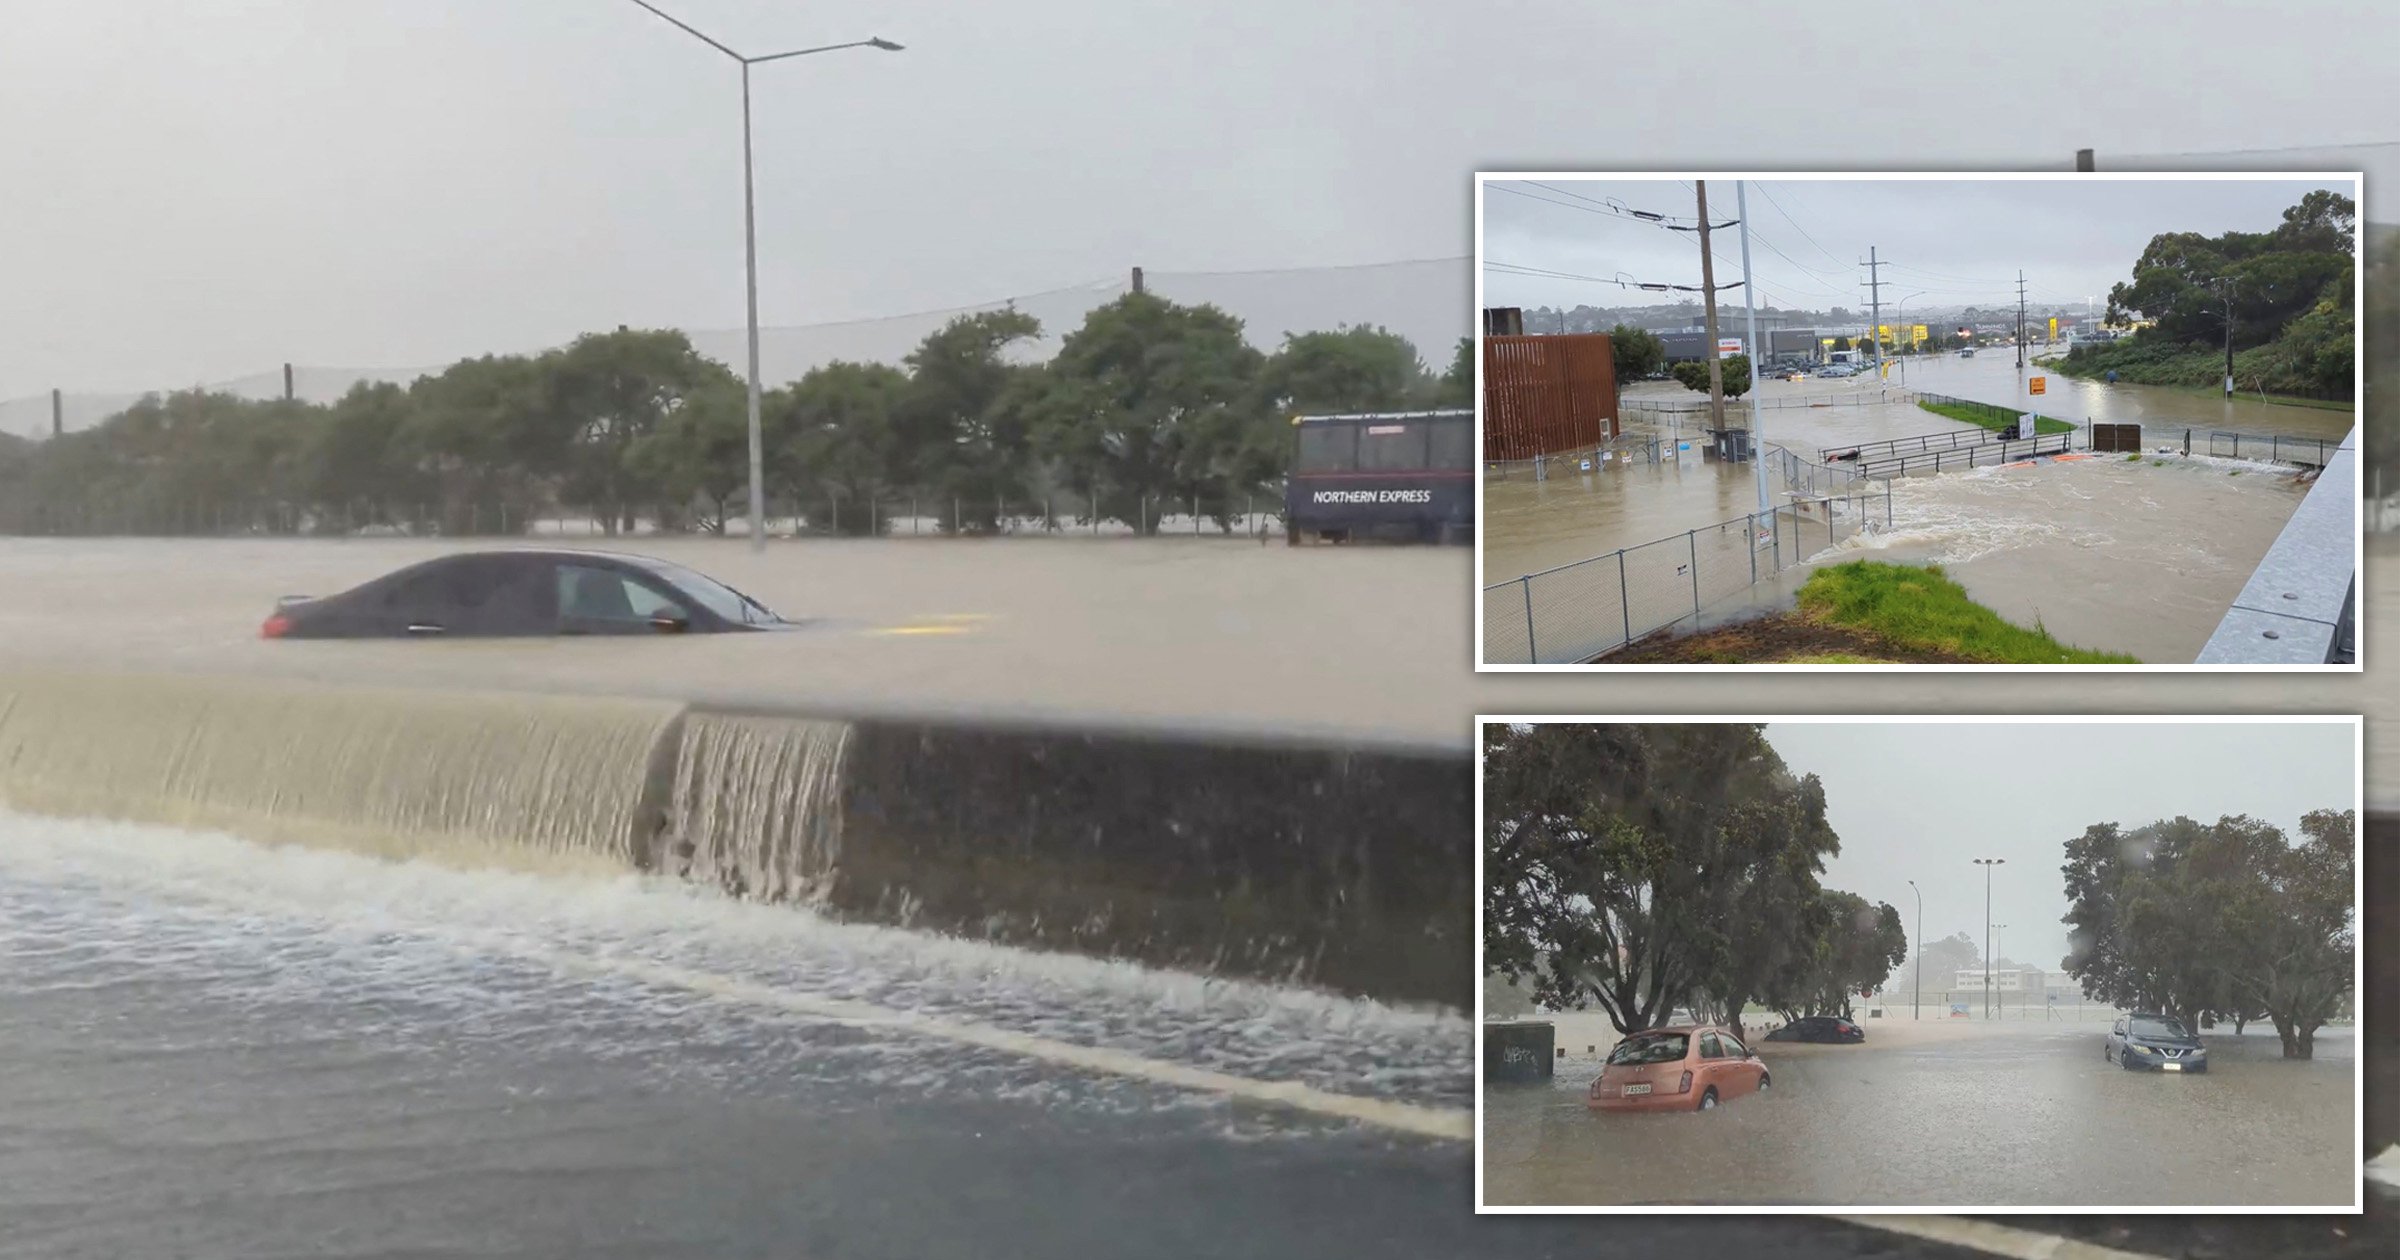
1758,370
1987,864
1900,330
1997,929
758,458
2226,286
1918,1003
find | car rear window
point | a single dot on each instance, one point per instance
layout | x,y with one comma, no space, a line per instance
1651,1048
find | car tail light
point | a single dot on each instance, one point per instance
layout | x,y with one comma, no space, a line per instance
276,627
1686,1087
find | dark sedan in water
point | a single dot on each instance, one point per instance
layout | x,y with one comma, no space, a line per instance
1823,1028
2153,1043
524,592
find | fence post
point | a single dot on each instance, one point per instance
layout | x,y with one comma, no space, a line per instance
1750,540
1691,539
1533,655
1624,599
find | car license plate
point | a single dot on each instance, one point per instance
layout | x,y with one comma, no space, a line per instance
2172,1067
1630,1090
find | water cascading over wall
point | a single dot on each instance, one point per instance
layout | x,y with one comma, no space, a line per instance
548,782
1340,867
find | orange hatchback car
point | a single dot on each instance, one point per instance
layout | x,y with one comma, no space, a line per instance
1678,1069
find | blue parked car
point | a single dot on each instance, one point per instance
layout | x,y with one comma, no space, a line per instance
2153,1043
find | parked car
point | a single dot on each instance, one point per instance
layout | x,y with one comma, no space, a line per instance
1820,1028
523,592
2144,1042
1678,1069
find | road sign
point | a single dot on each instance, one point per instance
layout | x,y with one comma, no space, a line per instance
1917,335
1728,346
2054,328
2039,384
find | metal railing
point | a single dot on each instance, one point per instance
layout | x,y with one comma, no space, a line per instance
1947,440
1631,448
2273,448
1995,451
1576,612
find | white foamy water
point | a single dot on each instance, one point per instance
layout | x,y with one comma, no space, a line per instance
431,948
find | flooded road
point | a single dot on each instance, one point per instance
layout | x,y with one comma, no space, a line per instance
1944,1113
2141,557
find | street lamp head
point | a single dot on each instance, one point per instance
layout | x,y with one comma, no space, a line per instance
884,44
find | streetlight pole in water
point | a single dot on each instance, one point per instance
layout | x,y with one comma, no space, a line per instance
758,460
1997,929
1987,864
1918,1004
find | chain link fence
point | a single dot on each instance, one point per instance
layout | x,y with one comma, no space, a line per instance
1577,612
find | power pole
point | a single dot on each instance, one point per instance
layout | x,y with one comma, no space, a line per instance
2022,397
1758,441
1708,296
1874,287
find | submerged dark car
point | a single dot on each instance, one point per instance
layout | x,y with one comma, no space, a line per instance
2153,1043
525,592
1820,1028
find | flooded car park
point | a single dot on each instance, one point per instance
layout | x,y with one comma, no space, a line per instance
1928,1113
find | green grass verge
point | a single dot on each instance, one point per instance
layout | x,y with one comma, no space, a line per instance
1982,419
1920,607
2183,375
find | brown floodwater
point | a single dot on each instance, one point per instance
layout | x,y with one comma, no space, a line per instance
1942,1113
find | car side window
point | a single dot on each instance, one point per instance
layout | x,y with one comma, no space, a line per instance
1710,1047
1733,1049
595,594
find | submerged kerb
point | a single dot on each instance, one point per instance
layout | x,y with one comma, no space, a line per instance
1293,861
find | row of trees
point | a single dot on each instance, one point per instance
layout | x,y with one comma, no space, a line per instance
1655,866
1148,400
2217,921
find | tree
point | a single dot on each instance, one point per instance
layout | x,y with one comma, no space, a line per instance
1643,866
1349,370
2201,920
1694,376
838,441
1150,404
1638,353
959,441
606,391
699,455
1458,384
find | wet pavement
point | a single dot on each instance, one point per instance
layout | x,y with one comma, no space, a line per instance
1948,1114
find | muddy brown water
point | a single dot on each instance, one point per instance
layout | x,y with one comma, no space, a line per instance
2000,1114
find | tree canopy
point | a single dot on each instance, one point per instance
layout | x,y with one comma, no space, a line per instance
2227,919
1147,400
1649,867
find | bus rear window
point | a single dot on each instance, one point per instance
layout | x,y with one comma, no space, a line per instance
1392,447
1328,448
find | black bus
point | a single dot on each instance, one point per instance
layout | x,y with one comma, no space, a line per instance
1405,475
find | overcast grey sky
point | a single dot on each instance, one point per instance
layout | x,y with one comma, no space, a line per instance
197,191
1921,801
1944,243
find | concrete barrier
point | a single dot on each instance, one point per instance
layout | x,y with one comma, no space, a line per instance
1348,869
1321,863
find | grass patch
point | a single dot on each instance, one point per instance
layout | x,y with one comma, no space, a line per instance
1921,608
2140,360
1992,420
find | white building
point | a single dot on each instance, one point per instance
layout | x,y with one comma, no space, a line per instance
2004,980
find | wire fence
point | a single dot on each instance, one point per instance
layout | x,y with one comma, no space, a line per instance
1578,612
1631,448
1252,516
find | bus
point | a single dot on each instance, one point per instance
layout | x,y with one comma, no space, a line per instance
1401,475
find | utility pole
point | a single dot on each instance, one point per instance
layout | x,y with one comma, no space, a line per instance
1708,296
1987,864
2227,287
1758,441
1919,1004
2022,396
1874,287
